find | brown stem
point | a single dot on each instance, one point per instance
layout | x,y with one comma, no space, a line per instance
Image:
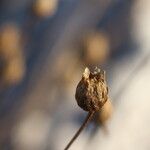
88,118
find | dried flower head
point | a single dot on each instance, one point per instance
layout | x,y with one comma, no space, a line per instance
92,91
91,95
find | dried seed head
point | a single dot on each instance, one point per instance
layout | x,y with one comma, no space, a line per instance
92,92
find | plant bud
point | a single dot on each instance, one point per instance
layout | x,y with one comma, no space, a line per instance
92,92
14,71
10,40
96,47
45,8
105,113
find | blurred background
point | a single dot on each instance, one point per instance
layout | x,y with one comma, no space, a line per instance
45,46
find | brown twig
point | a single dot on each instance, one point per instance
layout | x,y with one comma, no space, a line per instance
88,118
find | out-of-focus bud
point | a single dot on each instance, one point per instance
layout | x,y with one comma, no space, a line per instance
45,8
96,48
14,71
105,113
10,40
11,55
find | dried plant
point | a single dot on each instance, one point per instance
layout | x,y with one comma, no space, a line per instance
91,95
95,47
45,8
104,115
11,55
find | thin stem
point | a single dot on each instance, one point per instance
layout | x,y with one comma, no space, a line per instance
88,118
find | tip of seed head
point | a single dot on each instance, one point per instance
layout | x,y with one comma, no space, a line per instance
96,70
86,73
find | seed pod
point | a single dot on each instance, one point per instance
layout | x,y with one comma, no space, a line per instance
92,92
